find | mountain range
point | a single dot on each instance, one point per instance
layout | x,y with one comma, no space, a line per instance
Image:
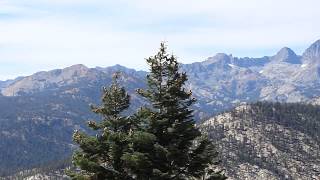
219,82
39,112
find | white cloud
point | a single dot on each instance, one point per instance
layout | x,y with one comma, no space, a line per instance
55,33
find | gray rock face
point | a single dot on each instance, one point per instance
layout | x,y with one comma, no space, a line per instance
268,141
6,83
312,54
286,55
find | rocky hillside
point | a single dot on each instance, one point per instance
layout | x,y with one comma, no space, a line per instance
256,141
54,170
268,141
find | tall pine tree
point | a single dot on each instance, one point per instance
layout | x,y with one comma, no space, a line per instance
100,156
159,142
180,151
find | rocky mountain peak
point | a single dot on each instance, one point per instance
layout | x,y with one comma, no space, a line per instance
313,52
116,68
219,58
78,69
286,55
47,79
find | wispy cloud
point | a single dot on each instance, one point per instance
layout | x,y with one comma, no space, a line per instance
45,34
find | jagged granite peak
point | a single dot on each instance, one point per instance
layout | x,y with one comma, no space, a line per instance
286,55
46,79
220,58
68,72
119,68
74,70
251,62
76,67
75,76
127,73
312,53
116,67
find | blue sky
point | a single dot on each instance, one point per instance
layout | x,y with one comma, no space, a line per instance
46,34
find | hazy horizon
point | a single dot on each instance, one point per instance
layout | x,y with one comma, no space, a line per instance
48,34
141,69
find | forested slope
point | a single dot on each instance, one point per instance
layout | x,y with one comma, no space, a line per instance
268,140
262,140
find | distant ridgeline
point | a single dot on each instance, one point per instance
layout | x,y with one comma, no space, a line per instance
219,82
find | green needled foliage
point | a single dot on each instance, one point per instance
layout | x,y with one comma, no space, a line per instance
180,151
158,142
100,156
